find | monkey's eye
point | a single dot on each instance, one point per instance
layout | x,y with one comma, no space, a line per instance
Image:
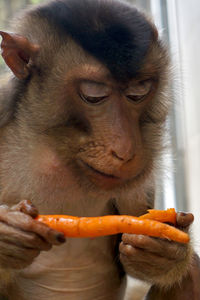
135,98
93,100
139,90
93,92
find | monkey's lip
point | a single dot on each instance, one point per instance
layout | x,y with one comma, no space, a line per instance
98,172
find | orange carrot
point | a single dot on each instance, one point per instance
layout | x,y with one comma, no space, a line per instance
113,224
164,216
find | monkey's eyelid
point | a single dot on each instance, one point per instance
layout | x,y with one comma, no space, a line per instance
93,100
136,98
93,89
140,88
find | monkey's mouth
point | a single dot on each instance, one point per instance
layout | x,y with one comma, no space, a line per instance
100,173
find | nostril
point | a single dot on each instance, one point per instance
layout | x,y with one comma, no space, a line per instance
117,156
130,159
126,157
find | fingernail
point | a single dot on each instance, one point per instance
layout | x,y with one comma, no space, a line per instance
60,238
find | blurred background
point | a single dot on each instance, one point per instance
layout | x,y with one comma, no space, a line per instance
179,26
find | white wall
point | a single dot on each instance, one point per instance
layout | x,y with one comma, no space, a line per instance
188,20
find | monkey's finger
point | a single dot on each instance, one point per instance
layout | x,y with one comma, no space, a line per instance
17,251
144,260
26,207
160,247
11,262
184,220
15,257
11,235
27,223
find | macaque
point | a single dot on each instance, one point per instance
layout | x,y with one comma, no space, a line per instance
82,119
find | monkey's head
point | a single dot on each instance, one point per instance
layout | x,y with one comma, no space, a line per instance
91,78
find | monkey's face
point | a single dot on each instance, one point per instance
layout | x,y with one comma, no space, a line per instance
114,152
100,137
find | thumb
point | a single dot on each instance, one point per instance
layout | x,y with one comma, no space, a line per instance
26,207
184,220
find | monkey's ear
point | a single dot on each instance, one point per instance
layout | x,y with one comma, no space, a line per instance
17,52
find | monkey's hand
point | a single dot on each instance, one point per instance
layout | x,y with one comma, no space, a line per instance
157,261
21,237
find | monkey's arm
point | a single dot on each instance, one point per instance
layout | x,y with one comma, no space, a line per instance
189,288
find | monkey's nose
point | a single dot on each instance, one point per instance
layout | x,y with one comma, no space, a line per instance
124,152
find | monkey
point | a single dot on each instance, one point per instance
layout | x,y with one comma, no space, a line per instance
82,120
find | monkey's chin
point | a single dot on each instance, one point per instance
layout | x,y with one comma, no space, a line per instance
103,180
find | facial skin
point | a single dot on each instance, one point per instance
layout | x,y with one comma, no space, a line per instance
81,134
109,151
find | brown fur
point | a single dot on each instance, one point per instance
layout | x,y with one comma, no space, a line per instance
46,129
